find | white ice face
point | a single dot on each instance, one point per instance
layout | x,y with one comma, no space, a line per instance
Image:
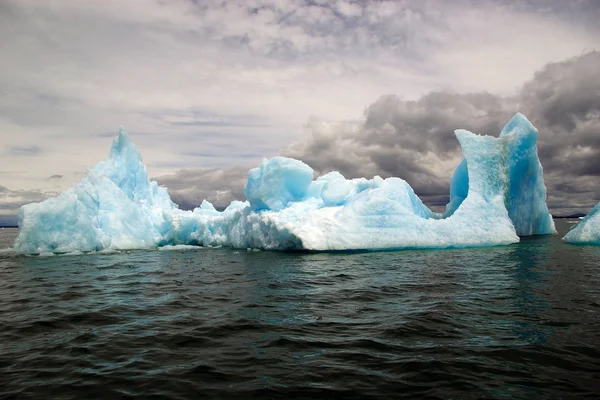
497,194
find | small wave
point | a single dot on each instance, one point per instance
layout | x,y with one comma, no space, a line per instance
180,247
353,325
107,251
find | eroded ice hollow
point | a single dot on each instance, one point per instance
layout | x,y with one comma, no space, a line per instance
497,194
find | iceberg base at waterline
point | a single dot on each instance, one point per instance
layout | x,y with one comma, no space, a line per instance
497,194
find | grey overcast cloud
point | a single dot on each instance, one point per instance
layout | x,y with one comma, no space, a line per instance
207,89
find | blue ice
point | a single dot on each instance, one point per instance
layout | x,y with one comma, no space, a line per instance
526,192
497,194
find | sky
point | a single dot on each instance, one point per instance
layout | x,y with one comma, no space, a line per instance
207,89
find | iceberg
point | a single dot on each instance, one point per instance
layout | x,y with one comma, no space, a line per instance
587,231
497,194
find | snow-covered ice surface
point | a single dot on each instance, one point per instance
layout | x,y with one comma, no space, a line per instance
497,194
587,231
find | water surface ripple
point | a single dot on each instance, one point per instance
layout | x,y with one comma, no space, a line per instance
521,321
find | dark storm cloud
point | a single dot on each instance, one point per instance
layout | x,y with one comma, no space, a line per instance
562,100
415,139
188,187
410,139
397,134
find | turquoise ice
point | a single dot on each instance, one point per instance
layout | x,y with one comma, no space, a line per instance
115,206
526,192
497,194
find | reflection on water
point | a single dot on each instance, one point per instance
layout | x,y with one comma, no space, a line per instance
519,321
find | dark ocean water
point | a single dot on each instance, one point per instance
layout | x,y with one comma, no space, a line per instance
521,321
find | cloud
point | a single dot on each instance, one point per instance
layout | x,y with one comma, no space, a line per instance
22,151
11,200
248,73
188,187
414,139
211,84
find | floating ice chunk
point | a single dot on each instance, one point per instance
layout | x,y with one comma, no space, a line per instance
587,231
